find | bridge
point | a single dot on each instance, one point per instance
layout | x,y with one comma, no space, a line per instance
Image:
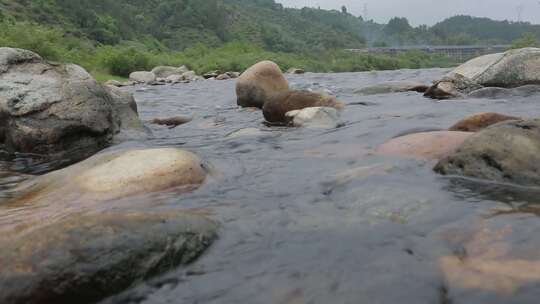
457,52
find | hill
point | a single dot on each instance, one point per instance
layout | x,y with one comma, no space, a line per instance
179,24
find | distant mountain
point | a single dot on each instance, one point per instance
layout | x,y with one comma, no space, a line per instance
178,24
458,30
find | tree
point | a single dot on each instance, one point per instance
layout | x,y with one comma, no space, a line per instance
344,9
398,26
526,40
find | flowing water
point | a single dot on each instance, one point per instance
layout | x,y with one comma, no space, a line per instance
314,216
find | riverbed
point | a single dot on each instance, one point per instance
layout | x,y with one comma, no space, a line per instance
315,216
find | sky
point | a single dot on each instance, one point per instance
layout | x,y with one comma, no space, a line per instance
431,11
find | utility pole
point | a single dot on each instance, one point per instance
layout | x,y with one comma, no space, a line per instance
365,12
519,10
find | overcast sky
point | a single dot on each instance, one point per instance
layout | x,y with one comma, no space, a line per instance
431,11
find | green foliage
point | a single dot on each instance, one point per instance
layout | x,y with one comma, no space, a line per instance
121,61
526,40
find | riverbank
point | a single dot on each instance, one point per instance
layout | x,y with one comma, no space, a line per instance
117,62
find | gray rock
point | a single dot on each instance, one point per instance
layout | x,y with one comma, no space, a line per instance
84,258
189,76
223,77
55,109
166,71
142,77
211,74
174,78
491,93
511,69
506,152
113,82
314,117
295,71
393,87
233,74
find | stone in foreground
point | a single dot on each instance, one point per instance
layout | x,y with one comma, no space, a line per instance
85,258
426,145
506,152
258,83
55,109
118,174
314,117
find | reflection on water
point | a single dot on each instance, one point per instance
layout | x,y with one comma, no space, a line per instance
313,216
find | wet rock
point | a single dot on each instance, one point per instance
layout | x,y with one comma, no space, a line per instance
427,145
172,122
511,69
479,121
223,77
258,83
114,83
314,117
295,71
125,116
117,174
491,93
393,87
212,74
189,76
245,133
142,77
452,86
279,104
57,110
174,79
166,71
527,90
506,152
84,258
233,74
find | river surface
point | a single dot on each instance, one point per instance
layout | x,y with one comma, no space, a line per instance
314,216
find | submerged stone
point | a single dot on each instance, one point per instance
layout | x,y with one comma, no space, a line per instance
393,87
85,258
426,145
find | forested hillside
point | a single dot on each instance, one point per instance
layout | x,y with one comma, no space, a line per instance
457,30
178,24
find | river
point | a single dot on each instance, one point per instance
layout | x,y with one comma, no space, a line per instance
314,216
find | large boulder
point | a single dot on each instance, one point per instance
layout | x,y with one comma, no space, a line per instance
142,77
279,104
425,145
506,152
479,121
314,117
83,258
116,174
393,87
510,69
56,109
258,83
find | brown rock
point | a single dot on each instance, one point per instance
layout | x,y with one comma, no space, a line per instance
277,106
426,145
258,83
172,122
479,121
